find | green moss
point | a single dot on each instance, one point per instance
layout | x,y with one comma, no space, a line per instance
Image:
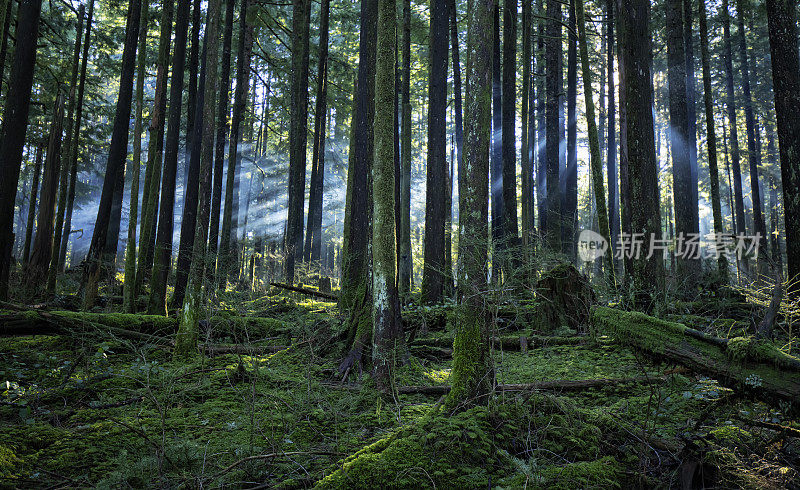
470,375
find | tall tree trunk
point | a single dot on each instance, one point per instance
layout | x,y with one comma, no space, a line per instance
15,125
541,137
192,189
36,273
433,274
155,146
37,172
711,139
222,133
129,287
194,67
509,134
64,162
752,145
553,58
406,263
731,103
116,157
162,257
387,328
570,212
458,115
189,317
688,268
611,144
496,174
594,141
691,111
636,60
314,229
5,17
298,135
73,155
781,15
472,377
229,239
526,162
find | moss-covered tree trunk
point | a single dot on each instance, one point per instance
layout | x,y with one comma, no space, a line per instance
65,161
472,376
782,18
570,185
711,137
298,136
228,246
189,317
128,286
509,135
553,55
433,274
406,264
496,171
163,246
386,329
594,143
541,121
15,125
37,173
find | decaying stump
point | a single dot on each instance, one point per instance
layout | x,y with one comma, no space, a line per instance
564,298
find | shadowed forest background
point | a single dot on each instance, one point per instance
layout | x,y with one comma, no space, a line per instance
396,243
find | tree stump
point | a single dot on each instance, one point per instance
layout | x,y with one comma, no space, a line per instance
564,297
324,284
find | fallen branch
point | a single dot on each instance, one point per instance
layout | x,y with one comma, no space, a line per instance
219,349
271,456
752,366
509,343
310,292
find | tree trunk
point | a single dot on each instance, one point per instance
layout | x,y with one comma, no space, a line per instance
711,138
691,112
433,275
5,17
759,226
15,125
298,135
116,158
387,328
37,172
553,58
496,175
155,146
73,155
541,137
782,19
194,67
222,133
458,120
509,132
645,215
189,317
594,142
731,103
406,268
314,229
162,257
229,239
611,141
570,212
129,283
526,160
65,162
685,209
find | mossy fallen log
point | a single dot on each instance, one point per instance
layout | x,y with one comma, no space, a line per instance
742,363
553,385
310,292
509,342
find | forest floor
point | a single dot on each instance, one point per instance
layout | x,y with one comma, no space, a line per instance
88,407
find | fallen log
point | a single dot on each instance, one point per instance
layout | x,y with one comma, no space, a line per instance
508,343
310,292
740,363
219,349
554,385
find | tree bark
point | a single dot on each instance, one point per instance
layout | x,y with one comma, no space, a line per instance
15,125
611,141
433,274
496,175
116,158
553,55
541,137
37,172
509,132
163,246
298,136
691,111
526,160
406,263
472,376
645,216
570,212
781,15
